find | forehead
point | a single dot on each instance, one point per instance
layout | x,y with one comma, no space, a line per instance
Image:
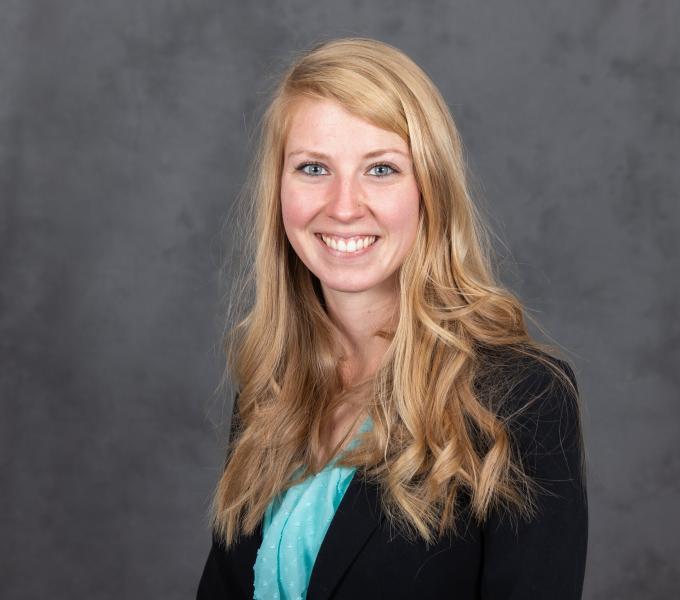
318,124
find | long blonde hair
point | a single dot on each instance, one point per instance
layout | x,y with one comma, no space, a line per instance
438,432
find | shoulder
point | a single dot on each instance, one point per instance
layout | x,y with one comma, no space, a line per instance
537,399
509,381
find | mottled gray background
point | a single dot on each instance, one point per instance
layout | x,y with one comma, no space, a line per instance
124,131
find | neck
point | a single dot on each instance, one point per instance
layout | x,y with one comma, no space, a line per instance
357,316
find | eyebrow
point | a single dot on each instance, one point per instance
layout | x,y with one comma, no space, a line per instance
372,154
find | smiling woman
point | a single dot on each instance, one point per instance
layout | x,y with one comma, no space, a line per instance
397,432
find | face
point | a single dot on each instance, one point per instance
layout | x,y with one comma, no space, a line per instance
349,198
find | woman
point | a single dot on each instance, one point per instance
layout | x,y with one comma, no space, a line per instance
397,432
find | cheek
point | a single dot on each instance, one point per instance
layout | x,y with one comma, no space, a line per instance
404,218
290,209
294,210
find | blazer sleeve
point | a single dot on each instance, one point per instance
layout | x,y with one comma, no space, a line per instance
214,583
546,556
226,573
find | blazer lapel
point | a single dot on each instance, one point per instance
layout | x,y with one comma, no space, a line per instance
357,516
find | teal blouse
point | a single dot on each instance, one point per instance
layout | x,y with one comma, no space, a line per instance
293,528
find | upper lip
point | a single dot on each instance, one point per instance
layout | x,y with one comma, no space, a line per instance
347,235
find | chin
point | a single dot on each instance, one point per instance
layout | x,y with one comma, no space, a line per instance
349,286
345,287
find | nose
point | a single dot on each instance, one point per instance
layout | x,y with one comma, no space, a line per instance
345,200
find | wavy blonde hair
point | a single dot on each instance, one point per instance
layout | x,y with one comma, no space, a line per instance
459,341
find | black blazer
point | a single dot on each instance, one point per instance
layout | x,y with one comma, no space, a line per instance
360,556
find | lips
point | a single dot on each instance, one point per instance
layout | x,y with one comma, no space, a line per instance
347,246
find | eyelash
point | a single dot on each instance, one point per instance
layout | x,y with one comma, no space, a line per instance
373,166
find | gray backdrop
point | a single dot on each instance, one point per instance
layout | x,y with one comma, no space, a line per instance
124,131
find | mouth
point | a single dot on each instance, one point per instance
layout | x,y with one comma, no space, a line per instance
347,247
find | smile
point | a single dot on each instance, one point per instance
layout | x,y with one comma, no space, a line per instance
347,246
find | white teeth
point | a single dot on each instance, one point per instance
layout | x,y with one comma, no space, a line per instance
348,247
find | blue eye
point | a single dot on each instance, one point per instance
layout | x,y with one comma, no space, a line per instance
313,169
316,169
382,172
